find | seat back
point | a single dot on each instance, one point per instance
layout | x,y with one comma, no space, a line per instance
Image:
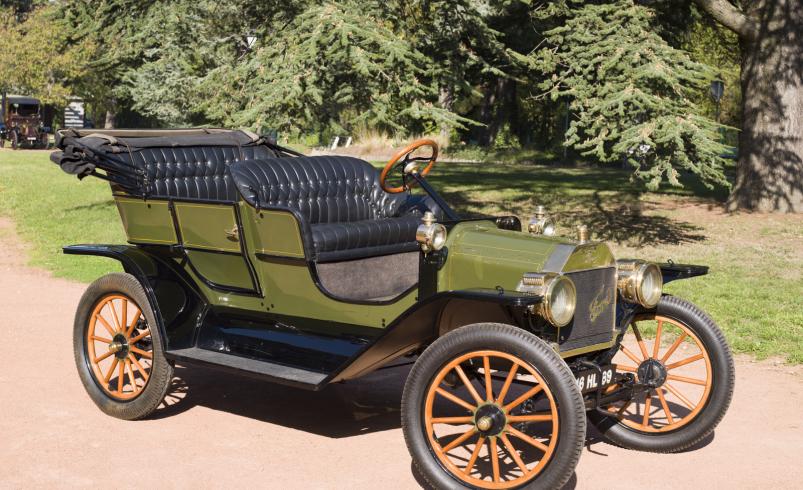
323,189
195,172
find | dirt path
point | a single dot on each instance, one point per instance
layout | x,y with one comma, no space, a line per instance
221,431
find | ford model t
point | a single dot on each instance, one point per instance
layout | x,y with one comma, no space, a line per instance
311,270
21,123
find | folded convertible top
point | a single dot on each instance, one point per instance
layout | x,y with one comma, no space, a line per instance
131,157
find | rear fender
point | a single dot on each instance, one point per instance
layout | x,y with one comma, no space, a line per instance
178,306
672,271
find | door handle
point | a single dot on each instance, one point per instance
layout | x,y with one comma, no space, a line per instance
233,234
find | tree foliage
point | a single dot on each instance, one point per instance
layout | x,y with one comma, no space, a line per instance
632,94
484,71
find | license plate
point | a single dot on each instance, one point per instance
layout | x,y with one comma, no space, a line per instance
591,379
31,139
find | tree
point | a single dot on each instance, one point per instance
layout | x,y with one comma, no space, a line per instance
28,63
631,94
770,171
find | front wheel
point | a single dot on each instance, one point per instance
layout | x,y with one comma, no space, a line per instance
118,348
492,406
681,356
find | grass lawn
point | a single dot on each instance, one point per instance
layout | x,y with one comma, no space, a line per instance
754,290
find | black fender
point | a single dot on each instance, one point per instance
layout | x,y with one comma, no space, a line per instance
424,322
179,307
672,271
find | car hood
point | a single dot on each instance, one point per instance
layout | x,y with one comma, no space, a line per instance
482,255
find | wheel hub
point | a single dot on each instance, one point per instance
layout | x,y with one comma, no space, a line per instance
490,420
119,346
652,372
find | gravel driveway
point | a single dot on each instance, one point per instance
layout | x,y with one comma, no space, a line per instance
221,431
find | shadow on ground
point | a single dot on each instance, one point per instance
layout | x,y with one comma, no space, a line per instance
604,199
370,404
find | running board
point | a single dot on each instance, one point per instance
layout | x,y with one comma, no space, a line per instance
279,373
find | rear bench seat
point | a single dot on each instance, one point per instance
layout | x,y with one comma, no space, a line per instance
344,213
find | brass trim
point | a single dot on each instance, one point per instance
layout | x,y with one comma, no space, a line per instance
587,349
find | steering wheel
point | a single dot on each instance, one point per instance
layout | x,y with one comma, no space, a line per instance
408,165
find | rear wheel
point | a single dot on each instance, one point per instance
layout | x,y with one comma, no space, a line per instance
492,406
118,349
15,140
679,352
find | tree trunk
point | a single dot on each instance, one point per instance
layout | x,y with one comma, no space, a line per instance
770,170
446,101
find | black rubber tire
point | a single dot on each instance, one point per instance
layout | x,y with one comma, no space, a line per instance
161,371
15,140
526,346
722,384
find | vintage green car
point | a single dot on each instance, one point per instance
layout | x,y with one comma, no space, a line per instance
311,270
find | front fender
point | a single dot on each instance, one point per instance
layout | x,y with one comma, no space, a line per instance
177,305
428,319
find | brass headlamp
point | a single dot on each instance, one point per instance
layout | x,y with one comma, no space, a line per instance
558,293
640,282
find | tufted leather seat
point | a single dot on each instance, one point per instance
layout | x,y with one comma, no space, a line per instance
343,211
195,172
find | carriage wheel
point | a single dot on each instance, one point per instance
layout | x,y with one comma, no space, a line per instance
491,406
118,350
682,358
15,140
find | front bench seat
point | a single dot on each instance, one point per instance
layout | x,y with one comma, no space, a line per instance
343,212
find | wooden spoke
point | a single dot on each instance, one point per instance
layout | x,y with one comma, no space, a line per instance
474,454
124,317
510,377
674,346
494,455
647,405
120,376
133,323
682,398
103,322
486,366
529,418
630,354
108,376
459,440
657,345
145,354
131,376
629,369
640,340
624,407
454,399
529,440
139,337
664,405
468,384
139,367
101,339
103,356
684,379
688,360
513,453
453,420
528,394
118,328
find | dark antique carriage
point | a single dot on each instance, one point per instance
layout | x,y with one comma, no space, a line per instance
311,270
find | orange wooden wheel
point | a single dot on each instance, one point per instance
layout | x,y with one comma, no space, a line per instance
673,357
402,156
119,347
491,420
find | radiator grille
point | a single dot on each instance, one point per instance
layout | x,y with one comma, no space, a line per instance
596,308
